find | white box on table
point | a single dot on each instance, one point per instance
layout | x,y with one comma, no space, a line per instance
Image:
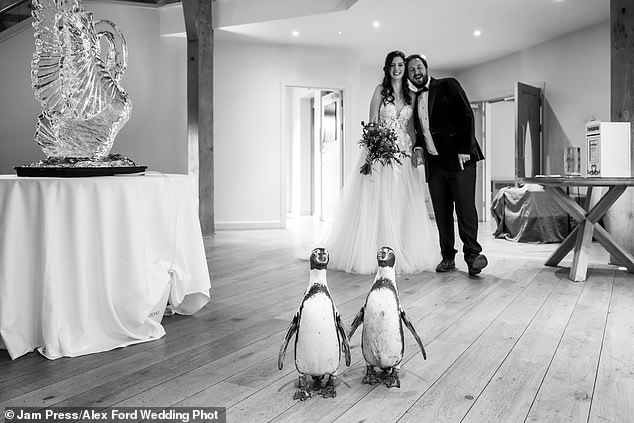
608,149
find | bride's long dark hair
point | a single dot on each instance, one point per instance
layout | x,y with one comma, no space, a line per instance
388,92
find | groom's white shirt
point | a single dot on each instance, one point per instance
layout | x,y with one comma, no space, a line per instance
423,116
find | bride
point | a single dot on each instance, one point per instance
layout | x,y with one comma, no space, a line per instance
386,207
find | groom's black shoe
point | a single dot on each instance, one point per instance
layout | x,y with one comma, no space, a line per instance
446,265
476,264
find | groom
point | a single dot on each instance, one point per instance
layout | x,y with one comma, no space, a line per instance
445,142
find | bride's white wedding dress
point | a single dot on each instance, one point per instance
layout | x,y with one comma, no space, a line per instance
385,208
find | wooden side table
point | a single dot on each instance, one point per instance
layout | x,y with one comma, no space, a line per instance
587,219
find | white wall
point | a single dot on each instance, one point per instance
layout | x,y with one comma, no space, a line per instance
500,131
575,73
19,107
248,100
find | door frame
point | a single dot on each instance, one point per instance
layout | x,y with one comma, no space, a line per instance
477,107
510,96
285,145
335,96
486,145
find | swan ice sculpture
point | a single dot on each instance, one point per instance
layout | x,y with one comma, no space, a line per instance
83,105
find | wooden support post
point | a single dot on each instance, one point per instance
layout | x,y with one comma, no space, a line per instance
200,47
622,62
619,220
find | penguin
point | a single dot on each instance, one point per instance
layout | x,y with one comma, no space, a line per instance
382,340
319,333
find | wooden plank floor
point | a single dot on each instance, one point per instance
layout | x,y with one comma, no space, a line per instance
522,343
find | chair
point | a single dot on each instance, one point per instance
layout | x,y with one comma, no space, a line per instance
527,214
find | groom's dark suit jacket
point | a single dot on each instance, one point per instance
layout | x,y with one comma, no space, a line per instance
451,124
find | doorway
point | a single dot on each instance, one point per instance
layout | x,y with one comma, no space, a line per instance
330,152
513,139
313,150
500,142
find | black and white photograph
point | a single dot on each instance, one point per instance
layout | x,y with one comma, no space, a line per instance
248,211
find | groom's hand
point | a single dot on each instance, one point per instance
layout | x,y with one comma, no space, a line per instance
417,157
462,159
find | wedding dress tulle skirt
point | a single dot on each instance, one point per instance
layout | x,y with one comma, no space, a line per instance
385,208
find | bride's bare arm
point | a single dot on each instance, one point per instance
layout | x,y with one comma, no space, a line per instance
375,104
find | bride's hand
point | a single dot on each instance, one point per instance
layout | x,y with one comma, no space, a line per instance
417,157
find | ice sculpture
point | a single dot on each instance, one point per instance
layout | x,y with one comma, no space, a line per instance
83,105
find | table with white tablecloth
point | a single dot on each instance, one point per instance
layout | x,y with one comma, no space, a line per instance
88,264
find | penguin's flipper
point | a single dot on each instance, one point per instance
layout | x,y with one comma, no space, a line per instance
292,329
409,325
345,347
358,319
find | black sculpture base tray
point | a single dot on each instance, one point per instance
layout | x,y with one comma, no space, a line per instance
76,172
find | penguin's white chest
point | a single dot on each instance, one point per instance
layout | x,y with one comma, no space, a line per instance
317,347
382,341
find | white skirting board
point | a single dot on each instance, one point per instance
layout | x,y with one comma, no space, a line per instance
273,224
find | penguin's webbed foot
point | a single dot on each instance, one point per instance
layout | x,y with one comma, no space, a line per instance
330,390
392,380
370,379
370,376
302,393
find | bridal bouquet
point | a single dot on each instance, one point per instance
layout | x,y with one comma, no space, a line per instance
380,142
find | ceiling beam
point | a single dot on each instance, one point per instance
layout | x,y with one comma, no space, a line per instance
139,2
10,4
239,12
10,17
618,219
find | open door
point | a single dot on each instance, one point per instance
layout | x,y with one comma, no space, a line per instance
331,152
528,131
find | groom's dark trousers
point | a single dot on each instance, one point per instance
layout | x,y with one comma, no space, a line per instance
445,188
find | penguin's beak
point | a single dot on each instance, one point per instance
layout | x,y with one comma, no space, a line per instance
384,253
320,256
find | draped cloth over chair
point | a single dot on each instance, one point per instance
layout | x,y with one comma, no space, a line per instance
86,262
528,214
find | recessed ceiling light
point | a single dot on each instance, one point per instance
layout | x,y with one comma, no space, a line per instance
376,24
295,33
477,32
340,32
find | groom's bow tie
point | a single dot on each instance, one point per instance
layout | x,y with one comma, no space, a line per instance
421,90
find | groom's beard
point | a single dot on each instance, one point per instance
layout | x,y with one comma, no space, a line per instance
419,83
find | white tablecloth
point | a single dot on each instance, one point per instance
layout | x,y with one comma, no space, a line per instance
84,262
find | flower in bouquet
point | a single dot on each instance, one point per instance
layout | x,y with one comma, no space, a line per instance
381,146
